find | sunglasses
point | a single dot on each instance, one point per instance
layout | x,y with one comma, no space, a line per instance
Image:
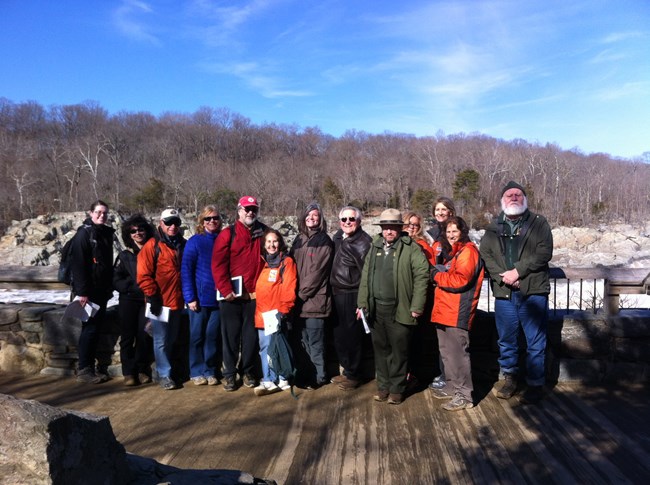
135,231
346,219
250,209
172,221
211,218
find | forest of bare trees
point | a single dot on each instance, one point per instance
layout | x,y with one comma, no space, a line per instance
60,158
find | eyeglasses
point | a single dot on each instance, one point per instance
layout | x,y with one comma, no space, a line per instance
136,230
172,221
250,209
211,218
346,219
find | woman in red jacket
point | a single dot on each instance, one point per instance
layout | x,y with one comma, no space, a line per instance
275,291
458,287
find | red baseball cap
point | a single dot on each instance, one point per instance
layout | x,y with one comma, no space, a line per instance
248,201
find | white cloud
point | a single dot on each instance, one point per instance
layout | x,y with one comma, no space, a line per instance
253,75
626,90
126,21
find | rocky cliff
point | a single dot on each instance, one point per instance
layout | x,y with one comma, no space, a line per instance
39,241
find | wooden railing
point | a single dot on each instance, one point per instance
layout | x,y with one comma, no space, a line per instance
617,282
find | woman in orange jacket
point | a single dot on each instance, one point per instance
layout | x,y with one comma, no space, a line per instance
275,292
458,287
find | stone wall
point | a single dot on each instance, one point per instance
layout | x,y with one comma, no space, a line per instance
582,346
36,338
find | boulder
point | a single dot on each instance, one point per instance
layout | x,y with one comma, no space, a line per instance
20,359
40,444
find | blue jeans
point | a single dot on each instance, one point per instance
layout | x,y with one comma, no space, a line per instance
205,354
530,313
268,374
164,336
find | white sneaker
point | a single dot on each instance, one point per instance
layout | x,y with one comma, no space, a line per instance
199,381
283,384
266,388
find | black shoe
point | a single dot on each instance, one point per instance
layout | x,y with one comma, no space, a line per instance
229,384
167,384
250,381
532,395
508,388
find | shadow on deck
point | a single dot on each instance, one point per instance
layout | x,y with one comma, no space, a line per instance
577,434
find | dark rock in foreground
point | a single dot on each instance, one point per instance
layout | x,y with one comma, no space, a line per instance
41,444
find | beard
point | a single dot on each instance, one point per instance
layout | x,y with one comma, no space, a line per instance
515,210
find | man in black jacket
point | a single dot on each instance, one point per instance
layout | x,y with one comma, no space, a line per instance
351,243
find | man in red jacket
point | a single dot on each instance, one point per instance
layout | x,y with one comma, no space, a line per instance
238,253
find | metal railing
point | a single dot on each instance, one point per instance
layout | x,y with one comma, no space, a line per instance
597,288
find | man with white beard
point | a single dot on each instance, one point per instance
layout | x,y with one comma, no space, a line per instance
517,247
237,252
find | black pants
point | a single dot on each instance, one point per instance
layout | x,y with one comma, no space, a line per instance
136,345
87,348
238,333
348,334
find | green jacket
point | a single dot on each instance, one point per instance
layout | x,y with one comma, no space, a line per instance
410,275
535,252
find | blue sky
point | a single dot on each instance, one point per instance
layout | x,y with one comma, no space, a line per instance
571,72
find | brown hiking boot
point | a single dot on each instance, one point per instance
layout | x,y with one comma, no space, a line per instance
508,388
337,379
87,376
381,396
349,384
129,381
532,395
395,398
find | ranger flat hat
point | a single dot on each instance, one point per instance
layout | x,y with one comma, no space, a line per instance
390,217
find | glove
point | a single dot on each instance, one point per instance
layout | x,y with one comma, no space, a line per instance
156,304
438,268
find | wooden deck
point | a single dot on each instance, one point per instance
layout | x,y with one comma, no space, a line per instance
576,435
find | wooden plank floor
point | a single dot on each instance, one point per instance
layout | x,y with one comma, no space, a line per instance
576,435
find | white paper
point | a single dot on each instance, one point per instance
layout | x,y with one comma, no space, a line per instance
164,313
236,287
75,310
270,322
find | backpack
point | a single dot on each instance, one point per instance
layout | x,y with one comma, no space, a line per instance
65,270
64,275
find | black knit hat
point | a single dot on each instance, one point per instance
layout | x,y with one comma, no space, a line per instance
513,185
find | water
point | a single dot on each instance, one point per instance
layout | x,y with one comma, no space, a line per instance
60,297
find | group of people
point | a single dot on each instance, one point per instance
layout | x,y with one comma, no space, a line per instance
242,287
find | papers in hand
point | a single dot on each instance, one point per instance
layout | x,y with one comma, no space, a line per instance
363,319
270,322
164,313
236,287
75,310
